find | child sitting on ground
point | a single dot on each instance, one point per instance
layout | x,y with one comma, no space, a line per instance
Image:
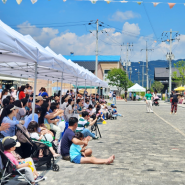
114,111
77,154
32,129
9,145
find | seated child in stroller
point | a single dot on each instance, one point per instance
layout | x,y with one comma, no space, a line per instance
32,129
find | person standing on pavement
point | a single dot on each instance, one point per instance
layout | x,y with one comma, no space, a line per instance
114,97
134,96
125,96
149,101
174,101
110,96
130,95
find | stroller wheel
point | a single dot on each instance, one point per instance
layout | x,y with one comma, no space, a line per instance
48,165
55,167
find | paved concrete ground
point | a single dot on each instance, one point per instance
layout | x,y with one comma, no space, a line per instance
149,149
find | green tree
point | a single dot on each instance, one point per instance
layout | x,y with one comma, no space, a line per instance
180,80
158,86
118,78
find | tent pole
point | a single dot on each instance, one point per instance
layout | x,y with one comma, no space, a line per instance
61,91
35,86
84,91
76,90
64,89
20,80
70,87
90,92
57,86
48,86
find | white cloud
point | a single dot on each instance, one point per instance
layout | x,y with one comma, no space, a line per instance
41,35
110,42
123,16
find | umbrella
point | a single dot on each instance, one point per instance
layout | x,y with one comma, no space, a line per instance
180,89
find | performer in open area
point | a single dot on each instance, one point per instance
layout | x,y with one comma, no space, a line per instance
149,101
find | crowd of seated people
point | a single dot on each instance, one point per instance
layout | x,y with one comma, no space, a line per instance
67,125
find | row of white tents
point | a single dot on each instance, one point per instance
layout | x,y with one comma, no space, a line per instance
22,56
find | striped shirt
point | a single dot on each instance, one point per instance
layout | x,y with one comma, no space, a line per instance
82,123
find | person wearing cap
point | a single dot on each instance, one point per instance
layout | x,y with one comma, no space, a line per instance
9,116
149,101
13,92
38,101
9,145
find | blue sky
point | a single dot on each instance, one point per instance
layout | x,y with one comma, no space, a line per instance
129,17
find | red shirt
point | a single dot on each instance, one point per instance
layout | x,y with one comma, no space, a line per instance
21,95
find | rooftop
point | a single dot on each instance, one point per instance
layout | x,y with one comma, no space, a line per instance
92,58
162,72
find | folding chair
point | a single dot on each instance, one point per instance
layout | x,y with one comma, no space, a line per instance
10,169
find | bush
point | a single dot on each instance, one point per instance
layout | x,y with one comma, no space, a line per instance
123,96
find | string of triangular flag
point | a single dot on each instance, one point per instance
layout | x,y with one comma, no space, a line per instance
171,5
20,1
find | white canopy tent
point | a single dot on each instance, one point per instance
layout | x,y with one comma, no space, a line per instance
22,56
136,88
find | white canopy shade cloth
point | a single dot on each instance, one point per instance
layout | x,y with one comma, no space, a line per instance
136,88
16,60
23,56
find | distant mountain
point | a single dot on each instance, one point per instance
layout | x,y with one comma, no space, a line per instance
151,65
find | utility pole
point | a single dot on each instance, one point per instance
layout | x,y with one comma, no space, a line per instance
138,77
130,71
127,60
127,50
143,74
96,64
147,64
170,57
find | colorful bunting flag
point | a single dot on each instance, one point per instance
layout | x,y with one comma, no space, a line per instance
33,1
4,1
155,4
171,5
139,3
19,1
64,1
108,2
93,2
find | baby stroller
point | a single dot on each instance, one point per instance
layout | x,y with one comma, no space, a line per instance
155,101
32,149
9,169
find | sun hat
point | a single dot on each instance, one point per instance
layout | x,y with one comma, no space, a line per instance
14,108
13,137
9,142
12,87
39,98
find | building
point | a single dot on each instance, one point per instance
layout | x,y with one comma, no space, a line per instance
162,75
105,64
